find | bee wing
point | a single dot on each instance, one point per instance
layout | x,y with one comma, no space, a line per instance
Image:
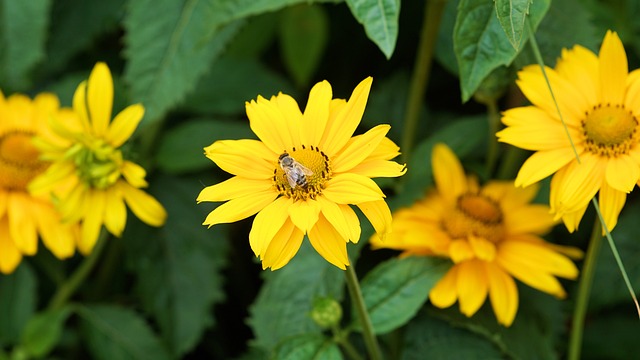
305,170
291,179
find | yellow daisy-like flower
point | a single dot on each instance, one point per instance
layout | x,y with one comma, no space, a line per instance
22,216
492,235
88,165
303,175
600,103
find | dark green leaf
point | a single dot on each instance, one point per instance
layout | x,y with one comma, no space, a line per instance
113,332
43,331
429,338
380,21
611,336
308,346
480,44
178,266
286,298
512,15
181,149
444,52
395,290
303,38
255,37
17,302
23,28
233,81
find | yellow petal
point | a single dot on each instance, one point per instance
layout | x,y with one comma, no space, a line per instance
232,188
448,172
352,222
460,251
143,205
10,256
316,114
304,214
115,216
80,106
580,184
240,208
532,128
503,294
4,196
534,218
622,173
542,164
334,214
611,203
134,174
572,219
247,158
44,183
352,189
472,286
632,96
100,97
537,256
267,223
379,216
445,291
531,276
329,243
386,150
340,128
613,69
509,196
56,236
93,220
75,205
580,67
124,124
272,125
282,247
483,249
22,225
359,148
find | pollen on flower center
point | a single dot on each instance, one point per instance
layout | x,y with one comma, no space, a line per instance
610,130
98,163
302,173
19,161
475,215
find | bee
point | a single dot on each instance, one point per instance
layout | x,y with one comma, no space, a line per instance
296,172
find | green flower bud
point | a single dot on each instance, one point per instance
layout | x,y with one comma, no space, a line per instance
326,312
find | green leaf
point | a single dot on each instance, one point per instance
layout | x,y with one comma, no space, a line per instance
611,336
233,81
255,37
17,302
308,346
43,331
304,30
23,30
512,15
286,297
178,273
480,44
429,338
380,20
168,51
113,332
181,149
395,290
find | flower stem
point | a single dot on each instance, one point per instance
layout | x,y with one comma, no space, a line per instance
494,122
340,337
584,292
71,285
428,36
370,339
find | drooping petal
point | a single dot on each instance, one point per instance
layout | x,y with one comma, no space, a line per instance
268,121
611,203
247,158
100,98
352,189
282,247
531,276
472,286
445,291
334,214
143,205
534,218
316,114
340,128
240,208
503,294
134,174
267,223
482,248
56,236
580,183
22,225
92,222
329,243
10,256
572,219
613,69
622,173
379,216
359,148
232,188
542,164
537,256
448,173
304,214
124,124
115,216
460,251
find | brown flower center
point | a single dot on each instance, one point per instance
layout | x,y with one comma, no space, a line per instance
610,130
19,161
475,215
302,173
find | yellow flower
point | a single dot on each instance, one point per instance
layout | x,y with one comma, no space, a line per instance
303,175
88,165
600,103
22,216
492,235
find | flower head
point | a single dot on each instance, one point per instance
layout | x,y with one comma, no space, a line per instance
600,104
302,175
492,235
88,177
24,217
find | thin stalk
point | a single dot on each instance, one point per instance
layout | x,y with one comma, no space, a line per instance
494,122
71,285
584,291
370,339
341,338
421,69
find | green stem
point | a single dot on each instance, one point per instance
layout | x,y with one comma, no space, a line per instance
342,339
584,292
510,163
370,339
494,121
428,36
71,285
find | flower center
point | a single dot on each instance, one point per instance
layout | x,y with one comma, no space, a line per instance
475,215
19,161
610,130
98,163
302,173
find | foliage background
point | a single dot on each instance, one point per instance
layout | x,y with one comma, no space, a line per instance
184,291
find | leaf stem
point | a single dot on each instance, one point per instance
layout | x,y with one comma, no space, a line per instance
430,25
71,285
584,292
370,339
341,337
